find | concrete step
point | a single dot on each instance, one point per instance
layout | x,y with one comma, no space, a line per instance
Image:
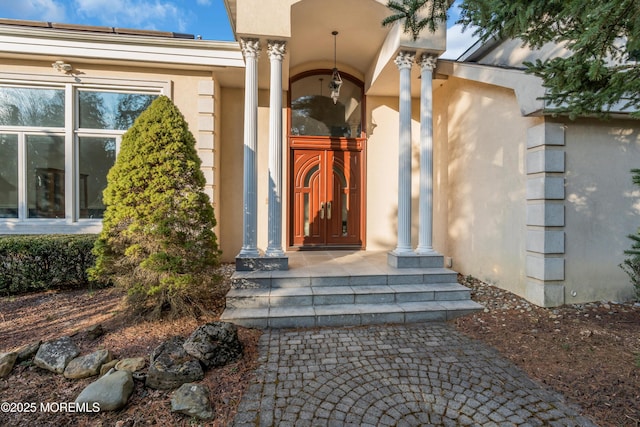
337,295
347,288
349,314
289,279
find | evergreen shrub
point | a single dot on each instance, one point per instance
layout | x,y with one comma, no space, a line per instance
631,265
33,263
157,240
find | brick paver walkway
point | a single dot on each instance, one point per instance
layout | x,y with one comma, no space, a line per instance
399,375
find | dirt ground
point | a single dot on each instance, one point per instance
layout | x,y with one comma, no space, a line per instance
590,353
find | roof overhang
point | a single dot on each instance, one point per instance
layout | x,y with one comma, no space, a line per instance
117,49
528,89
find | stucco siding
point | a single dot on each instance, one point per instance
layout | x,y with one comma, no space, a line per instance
231,154
382,173
486,212
602,207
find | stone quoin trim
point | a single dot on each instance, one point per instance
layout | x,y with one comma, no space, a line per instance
545,239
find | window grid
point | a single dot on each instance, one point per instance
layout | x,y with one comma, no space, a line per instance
72,134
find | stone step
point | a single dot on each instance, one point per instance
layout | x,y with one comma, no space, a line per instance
336,295
289,279
349,314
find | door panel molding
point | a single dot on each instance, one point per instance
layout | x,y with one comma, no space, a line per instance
327,194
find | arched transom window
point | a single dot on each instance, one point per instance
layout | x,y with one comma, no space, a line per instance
314,113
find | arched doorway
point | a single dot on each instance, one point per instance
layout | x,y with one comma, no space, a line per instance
327,163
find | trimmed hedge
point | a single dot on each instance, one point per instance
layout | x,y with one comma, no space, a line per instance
32,263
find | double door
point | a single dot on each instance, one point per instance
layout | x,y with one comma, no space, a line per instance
327,198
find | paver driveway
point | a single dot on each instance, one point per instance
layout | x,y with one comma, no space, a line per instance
393,375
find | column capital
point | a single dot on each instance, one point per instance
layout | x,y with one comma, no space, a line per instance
405,59
276,49
250,47
427,61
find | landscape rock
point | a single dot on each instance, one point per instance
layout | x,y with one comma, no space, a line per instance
95,331
7,360
171,366
87,366
111,391
214,344
107,366
192,400
55,355
28,351
132,364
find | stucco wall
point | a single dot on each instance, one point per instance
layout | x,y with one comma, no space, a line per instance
602,207
231,154
485,173
514,53
382,173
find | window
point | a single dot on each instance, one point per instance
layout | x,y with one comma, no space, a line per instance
45,176
111,110
96,156
57,144
9,176
41,107
313,112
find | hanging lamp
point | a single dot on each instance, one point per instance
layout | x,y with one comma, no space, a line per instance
336,80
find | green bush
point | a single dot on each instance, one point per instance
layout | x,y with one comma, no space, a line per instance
31,263
157,240
631,265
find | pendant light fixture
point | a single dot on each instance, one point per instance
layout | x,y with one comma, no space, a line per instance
336,80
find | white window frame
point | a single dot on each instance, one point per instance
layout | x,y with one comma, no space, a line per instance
72,223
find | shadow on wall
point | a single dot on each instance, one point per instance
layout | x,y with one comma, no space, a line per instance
487,182
602,205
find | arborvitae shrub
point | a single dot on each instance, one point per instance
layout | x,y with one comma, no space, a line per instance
157,240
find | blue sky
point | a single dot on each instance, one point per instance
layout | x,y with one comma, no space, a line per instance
207,18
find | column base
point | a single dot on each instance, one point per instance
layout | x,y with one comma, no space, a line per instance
262,263
274,253
414,260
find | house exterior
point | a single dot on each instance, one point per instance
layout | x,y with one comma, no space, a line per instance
417,156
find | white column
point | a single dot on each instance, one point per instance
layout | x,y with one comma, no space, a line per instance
250,50
404,61
276,50
425,242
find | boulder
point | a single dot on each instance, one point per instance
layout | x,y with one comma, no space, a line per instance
107,367
7,360
94,332
55,355
111,392
171,366
28,351
87,366
214,344
192,400
132,364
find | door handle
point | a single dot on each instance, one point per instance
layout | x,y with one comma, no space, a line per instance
329,210
322,210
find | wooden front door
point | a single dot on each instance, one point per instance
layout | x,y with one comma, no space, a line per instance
327,197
